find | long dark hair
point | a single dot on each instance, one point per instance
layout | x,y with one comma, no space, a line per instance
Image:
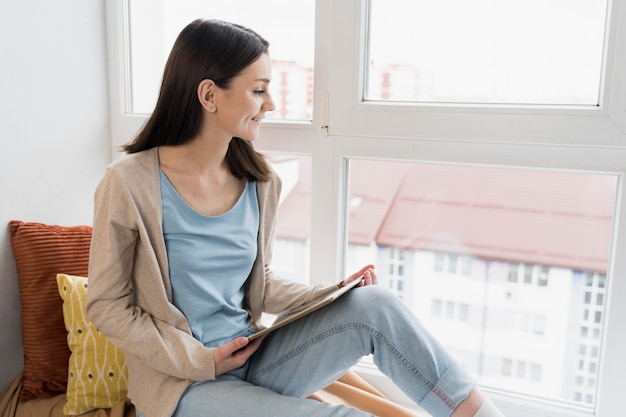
205,49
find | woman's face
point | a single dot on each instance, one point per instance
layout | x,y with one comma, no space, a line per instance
242,107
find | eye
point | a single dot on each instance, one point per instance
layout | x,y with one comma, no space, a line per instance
259,92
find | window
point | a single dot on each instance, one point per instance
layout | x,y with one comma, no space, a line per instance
523,370
513,271
532,274
528,274
601,280
439,215
395,276
516,66
535,372
291,254
542,280
464,312
450,306
349,120
436,308
154,25
453,263
507,365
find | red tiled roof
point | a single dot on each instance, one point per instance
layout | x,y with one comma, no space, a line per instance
295,211
552,218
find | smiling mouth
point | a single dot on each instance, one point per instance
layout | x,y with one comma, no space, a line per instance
256,119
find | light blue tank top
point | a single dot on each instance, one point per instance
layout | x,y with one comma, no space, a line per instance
210,258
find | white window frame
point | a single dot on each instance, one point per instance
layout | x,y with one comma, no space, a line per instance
580,138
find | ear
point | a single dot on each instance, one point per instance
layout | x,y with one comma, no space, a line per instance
206,96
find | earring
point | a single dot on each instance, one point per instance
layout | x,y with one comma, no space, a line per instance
212,108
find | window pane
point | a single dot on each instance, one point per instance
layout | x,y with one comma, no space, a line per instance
552,228
483,51
154,25
291,254
507,364
436,311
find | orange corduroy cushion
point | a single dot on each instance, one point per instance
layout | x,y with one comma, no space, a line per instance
41,251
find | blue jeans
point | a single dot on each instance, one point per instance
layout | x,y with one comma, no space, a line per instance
311,353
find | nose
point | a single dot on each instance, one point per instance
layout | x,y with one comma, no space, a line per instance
269,105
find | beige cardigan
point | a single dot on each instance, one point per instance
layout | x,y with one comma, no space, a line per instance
130,294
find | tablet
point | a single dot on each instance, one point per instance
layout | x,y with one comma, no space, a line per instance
316,306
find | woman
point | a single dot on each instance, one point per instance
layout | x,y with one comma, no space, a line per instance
179,266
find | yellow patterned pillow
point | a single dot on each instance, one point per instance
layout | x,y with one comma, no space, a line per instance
97,372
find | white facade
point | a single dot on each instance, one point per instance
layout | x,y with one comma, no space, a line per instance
512,329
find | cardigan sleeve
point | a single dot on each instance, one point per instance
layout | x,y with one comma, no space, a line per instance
127,299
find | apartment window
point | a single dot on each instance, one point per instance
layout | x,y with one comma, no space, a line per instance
591,326
436,308
535,372
464,312
453,310
532,274
528,274
396,270
513,271
594,352
542,280
522,370
439,262
507,366
453,263
396,261
450,309
598,317
539,324
466,265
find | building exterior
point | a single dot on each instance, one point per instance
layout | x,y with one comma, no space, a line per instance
506,267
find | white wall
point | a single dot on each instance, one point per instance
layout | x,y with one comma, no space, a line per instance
54,130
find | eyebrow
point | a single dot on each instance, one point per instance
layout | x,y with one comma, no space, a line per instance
265,80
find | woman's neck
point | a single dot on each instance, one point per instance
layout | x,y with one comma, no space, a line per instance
197,157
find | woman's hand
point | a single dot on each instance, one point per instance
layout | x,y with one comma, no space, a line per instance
367,272
234,354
